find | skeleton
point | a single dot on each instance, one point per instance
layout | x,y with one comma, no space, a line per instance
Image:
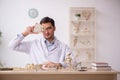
38,28
75,41
68,60
76,26
86,14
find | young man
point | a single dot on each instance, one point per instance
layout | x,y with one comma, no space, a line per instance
47,50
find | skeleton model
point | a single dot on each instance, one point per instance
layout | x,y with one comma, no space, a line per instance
68,60
30,66
85,42
79,65
86,14
75,41
38,28
76,26
89,55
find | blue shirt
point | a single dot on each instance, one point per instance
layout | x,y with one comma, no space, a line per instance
50,45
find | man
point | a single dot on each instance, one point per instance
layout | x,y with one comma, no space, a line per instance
47,50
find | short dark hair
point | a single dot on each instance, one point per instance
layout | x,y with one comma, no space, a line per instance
47,20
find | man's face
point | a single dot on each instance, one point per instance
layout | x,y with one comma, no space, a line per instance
48,31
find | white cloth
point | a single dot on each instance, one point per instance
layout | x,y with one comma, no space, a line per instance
38,52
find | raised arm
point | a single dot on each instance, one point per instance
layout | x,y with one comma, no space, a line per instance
18,44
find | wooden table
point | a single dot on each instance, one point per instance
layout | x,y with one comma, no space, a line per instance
58,75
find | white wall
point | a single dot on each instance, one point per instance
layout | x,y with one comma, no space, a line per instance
108,30
14,18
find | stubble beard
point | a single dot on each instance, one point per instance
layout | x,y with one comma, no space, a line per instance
50,37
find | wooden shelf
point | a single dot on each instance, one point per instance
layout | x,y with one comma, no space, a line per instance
82,33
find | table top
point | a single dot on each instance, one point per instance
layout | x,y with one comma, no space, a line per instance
91,71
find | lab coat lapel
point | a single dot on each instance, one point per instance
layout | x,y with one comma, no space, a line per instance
44,47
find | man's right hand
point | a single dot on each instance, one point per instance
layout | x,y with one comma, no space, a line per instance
29,30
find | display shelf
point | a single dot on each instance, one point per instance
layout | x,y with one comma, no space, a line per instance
82,34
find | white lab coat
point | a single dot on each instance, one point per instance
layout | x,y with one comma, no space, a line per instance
38,52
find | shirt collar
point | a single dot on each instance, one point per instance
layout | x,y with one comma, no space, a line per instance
52,42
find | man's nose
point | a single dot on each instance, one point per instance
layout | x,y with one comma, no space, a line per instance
46,31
